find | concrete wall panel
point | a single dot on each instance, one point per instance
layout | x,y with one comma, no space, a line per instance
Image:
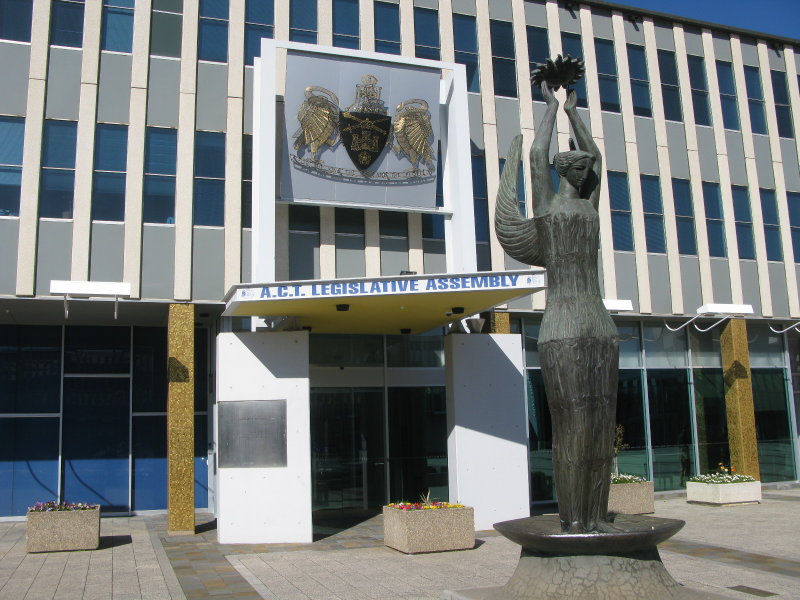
163,97
63,84
627,284
106,252
114,92
158,261
9,238
721,280
212,82
208,264
54,252
14,69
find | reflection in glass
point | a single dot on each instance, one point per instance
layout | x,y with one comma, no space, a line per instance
347,448
712,419
632,457
418,443
95,441
30,369
670,428
415,350
149,462
540,439
664,348
93,350
775,454
335,350
28,463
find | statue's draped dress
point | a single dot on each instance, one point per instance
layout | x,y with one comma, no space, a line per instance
578,350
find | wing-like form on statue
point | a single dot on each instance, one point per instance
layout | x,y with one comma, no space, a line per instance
516,234
319,119
413,131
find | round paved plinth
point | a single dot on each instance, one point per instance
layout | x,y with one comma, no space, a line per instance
627,533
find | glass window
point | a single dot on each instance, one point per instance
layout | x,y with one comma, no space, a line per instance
247,180
538,53
699,86
209,178
66,23
712,200
393,224
727,94
664,348
670,90
418,442
407,351
166,28
630,419
345,350
770,402
755,99
345,23
621,228
149,462
684,216
149,384
466,48
161,146
387,28
783,111
793,200
15,20
212,33
503,61
520,187
480,194
712,420
426,33
303,218
772,233
58,169
12,134
303,21
653,214
30,368
744,222
640,81
259,19
28,462
571,46
540,428
670,427
94,350
117,26
607,75
108,182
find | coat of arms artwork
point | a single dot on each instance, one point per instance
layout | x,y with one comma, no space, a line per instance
583,552
366,130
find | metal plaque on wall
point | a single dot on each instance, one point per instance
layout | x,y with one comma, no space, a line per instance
252,433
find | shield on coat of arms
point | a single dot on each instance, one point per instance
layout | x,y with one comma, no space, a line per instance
364,136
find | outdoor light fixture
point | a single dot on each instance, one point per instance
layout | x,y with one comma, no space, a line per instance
90,289
724,311
457,310
405,331
342,307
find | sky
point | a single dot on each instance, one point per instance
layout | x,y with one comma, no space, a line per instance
776,17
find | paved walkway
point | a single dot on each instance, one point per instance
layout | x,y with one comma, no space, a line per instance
743,552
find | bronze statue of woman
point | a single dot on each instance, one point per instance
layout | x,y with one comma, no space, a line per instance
578,342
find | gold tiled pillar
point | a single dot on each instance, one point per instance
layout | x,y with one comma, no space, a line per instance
739,398
180,420
499,322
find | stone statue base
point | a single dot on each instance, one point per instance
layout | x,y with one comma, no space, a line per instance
620,564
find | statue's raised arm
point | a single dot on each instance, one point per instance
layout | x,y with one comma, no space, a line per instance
587,144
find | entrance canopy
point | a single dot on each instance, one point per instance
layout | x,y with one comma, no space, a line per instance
388,305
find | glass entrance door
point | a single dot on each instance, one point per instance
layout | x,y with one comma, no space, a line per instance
348,466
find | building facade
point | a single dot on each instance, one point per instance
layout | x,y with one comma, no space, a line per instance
126,136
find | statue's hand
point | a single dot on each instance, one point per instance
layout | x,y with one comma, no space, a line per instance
572,101
549,97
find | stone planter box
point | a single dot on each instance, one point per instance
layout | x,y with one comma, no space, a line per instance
631,498
57,531
436,530
723,493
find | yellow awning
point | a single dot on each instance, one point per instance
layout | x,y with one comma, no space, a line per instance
388,305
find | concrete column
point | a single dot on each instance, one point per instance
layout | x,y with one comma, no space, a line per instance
180,420
739,398
487,443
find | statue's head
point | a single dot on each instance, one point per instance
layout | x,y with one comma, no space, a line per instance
574,166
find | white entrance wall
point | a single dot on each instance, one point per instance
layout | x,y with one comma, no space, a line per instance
267,505
487,443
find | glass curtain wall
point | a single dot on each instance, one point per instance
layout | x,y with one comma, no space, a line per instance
105,390
373,445
671,417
